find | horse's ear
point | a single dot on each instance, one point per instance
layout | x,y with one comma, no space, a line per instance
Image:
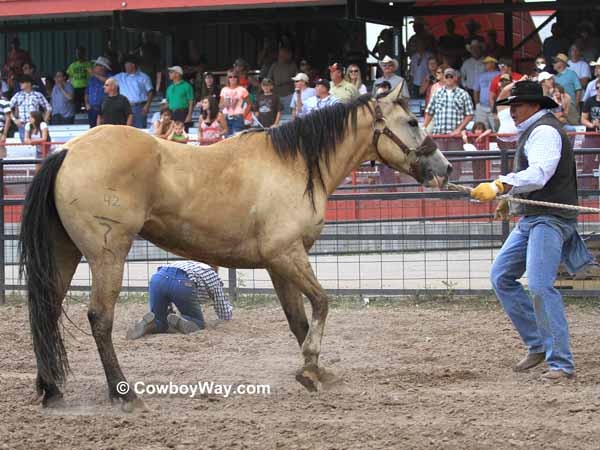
396,93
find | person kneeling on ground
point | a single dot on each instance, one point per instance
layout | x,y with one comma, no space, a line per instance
186,284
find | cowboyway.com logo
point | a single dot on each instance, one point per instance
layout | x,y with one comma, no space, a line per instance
193,389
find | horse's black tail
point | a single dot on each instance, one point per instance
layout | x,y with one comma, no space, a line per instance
37,262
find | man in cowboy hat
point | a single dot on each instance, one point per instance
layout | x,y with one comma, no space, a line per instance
483,110
544,170
389,66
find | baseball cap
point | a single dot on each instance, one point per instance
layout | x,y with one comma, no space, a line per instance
267,81
164,101
450,71
505,62
322,82
301,77
176,69
544,76
490,59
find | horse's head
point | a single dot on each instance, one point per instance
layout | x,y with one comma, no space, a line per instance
402,145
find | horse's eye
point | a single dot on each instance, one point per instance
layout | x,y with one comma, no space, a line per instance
413,122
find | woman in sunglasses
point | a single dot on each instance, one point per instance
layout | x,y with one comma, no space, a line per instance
235,102
354,77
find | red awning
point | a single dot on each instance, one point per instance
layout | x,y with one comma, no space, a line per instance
15,8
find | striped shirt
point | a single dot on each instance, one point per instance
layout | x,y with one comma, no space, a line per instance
208,286
4,108
28,102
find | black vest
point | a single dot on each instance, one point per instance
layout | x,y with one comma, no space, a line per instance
561,188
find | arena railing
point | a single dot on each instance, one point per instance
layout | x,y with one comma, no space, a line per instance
412,237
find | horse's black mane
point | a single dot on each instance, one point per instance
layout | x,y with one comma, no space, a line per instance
315,136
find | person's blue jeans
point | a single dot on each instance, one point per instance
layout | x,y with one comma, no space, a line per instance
235,124
172,285
93,116
535,245
22,134
140,120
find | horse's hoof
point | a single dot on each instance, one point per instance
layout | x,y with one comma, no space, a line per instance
55,401
309,379
137,404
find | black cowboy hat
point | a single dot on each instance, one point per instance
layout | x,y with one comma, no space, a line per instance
528,92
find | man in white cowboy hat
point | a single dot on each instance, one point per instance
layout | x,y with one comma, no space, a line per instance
472,67
389,66
570,81
590,90
543,170
94,92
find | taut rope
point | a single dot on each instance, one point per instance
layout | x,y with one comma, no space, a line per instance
467,190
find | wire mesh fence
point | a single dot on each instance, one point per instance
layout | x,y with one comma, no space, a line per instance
384,233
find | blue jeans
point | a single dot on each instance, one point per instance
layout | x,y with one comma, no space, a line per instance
93,116
140,120
172,285
22,134
235,124
536,245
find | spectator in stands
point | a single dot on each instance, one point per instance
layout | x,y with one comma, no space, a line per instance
137,87
540,65
37,85
162,107
94,92
16,58
234,103
212,124
437,85
383,88
563,100
180,96
555,44
268,106
579,66
63,108
178,133
301,93
321,99
36,133
421,34
451,107
473,27
492,47
281,72
479,132
452,45
307,68
115,109
570,81
354,77
590,90
149,56
266,56
389,66
587,41
546,80
210,87
240,66
186,284
418,68
590,116
5,121
164,125
472,67
26,101
341,89
430,78
483,111
505,66
79,72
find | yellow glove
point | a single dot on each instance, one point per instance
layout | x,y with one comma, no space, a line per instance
486,192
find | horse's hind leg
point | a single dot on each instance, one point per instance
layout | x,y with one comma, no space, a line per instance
107,275
291,301
67,258
295,267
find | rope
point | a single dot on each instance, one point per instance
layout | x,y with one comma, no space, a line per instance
467,190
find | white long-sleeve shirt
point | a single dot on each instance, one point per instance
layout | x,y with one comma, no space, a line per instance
543,150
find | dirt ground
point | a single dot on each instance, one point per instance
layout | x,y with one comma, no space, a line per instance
415,375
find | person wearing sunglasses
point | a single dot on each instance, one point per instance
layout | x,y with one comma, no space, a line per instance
354,77
505,67
235,103
341,89
115,109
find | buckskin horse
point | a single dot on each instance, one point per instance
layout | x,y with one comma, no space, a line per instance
256,200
